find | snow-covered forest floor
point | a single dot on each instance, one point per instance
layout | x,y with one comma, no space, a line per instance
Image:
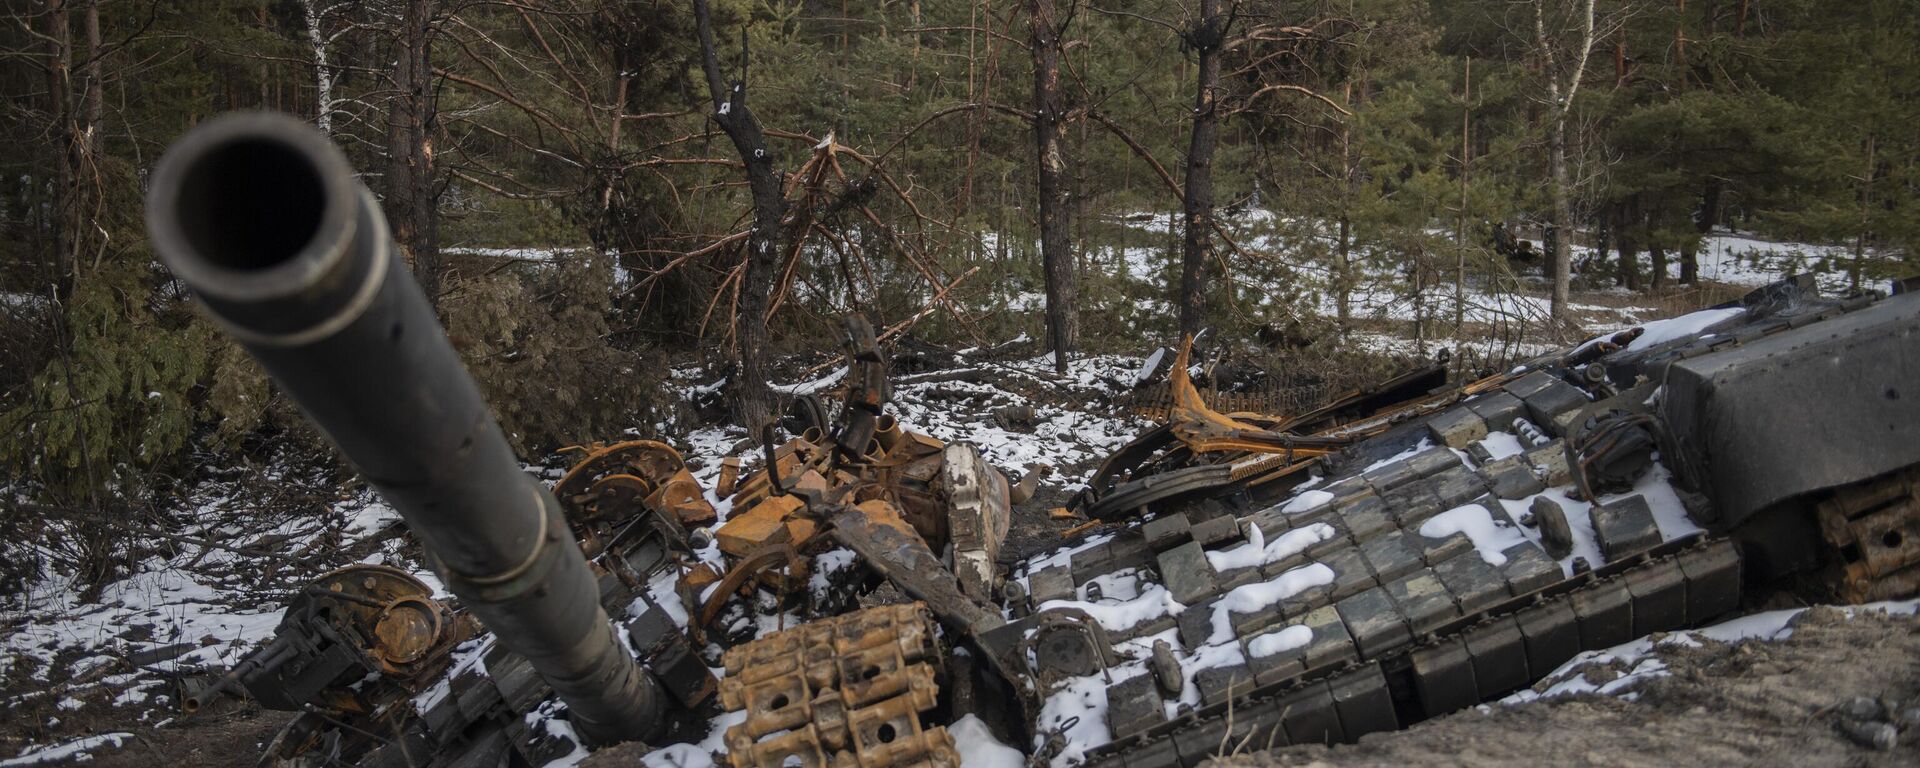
94,671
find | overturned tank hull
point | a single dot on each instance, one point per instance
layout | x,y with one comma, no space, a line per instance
1474,539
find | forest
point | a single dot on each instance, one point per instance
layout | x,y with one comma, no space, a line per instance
593,191
651,219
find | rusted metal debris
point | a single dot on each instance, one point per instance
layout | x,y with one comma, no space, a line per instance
618,481
846,692
354,646
1875,526
877,481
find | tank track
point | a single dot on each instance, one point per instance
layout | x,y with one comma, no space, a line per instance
845,692
1462,662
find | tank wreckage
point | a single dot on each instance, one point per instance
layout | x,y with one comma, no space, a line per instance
1246,580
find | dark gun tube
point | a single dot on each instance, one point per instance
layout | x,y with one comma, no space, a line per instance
261,216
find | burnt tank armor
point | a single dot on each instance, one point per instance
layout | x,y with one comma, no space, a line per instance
1482,536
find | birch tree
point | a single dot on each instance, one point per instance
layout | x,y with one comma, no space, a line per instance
1563,38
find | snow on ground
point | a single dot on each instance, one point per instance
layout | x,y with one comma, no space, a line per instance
1640,663
76,751
980,749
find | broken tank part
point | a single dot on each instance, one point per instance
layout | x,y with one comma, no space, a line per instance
261,216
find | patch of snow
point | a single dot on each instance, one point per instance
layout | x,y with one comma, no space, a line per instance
1257,551
1490,537
1307,501
1251,598
980,749
1115,615
1078,710
75,751
1500,445
1683,327
1579,523
1287,639
664,594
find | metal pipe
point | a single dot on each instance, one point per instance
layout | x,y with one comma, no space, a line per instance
261,216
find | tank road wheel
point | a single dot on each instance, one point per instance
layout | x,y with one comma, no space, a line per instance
583,493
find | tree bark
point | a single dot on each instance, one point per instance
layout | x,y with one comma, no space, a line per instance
412,202
66,206
1562,216
93,98
1343,247
1658,254
1560,100
1460,221
1049,134
752,399
1205,39
322,68
1855,270
1629,268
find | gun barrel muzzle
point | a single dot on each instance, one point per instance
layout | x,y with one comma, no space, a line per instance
261,216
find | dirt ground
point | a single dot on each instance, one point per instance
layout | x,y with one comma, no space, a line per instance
1746,703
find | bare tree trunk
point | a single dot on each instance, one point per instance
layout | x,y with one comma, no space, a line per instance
1680,40
1704,221
66,205
93,100
1658,254
1562,216
1343,249
972,126
752,398
1049,133
1560,102
322,69
1866,206
1460,222
412,202
1628,273
1197,247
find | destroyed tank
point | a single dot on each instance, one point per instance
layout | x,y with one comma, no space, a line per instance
1243,580
1393,557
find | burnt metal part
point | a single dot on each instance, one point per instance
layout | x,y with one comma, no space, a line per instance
671,658
1555,533
1511,478
1844,384
1624,526
1133,706
1066,643
1167,531
906,560
1612,451
261,216
355,641
978,515
1457,427
1162,488
1166,669
848,691
1874,527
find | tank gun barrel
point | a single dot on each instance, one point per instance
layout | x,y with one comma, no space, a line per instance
261,216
